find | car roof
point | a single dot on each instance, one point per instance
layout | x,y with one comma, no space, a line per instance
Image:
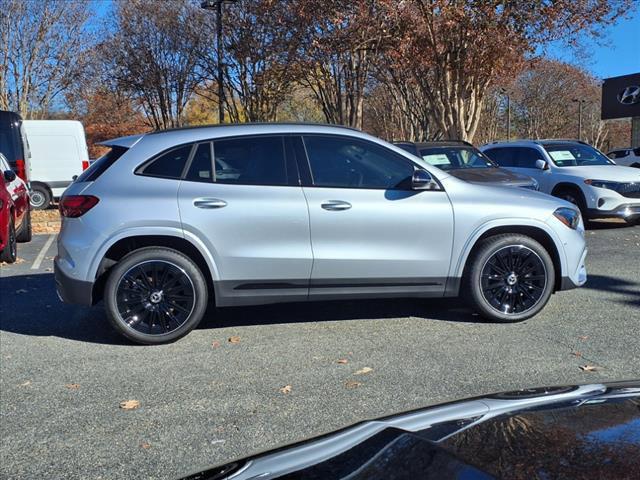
542,142
204,132
436,143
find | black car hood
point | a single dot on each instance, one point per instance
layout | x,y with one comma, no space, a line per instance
572,432
492,176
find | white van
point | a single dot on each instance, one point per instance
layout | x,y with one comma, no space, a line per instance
58,153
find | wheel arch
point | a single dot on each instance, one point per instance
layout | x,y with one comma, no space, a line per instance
542,235
567,186
125,244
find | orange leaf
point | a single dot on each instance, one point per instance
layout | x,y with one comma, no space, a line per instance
286,389
129,404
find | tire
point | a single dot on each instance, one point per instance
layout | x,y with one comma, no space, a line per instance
10,252
40,197
575,196
137,301
26,232
494,273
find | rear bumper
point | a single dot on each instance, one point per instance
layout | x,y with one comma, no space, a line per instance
628,212
71,290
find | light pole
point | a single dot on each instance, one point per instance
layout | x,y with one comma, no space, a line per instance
580,103
217,5
506,94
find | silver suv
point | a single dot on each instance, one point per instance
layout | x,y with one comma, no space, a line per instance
254,214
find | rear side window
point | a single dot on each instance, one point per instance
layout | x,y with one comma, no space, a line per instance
502,156
636,152
169,164
201,167
98,167
251,161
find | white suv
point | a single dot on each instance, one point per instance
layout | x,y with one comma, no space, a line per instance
576,172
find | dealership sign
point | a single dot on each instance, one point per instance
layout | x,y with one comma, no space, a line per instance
621,97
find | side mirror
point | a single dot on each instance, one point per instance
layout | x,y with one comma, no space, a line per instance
9,176
422,180
542,165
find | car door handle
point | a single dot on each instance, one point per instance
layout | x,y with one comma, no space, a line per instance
335,205
209,203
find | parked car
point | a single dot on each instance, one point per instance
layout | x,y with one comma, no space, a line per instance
14,144
15,212
576,172
269,213
628,157
464,161
58,154
574,431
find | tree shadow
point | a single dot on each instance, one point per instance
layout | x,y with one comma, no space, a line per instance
29,305
615,285
607,224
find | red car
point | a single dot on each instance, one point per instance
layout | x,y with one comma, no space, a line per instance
15,212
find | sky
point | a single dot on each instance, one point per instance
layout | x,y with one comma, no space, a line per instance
617,53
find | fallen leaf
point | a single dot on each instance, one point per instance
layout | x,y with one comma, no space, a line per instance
583,337
215,344
145,445
364,370
129,404
19,260
26,384
588,368
286,389
234,339
22,290
343,361
352,384
72,386
576,354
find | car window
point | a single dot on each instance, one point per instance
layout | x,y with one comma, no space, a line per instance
526,157
251,161
201,168
98,167
619,154
170,164
353,163
572,155
451,158
636,152
502,156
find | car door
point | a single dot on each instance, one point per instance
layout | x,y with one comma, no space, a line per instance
525,163
370,233
18,191
248,208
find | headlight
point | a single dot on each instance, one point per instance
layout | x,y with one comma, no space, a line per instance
603,184
568,216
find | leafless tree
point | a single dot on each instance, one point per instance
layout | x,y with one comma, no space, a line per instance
42,49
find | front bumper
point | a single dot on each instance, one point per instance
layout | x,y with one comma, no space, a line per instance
71,290
628,212
578,276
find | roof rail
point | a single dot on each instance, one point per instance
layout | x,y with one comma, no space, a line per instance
222,125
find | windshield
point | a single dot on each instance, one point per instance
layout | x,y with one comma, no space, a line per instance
453,158
577,155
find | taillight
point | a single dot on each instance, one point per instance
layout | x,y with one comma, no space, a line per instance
85,165
21,170
73,206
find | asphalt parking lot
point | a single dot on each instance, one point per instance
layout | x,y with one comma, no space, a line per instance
205,399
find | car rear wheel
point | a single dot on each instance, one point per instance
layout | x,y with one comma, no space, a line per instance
155,295
40,197
26,231
10,252
510,278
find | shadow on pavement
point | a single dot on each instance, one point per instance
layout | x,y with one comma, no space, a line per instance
29,306
615,285
607,224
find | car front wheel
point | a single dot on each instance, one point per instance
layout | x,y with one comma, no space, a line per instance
155,295
9,253
510,278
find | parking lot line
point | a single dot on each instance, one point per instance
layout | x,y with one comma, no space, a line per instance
43,252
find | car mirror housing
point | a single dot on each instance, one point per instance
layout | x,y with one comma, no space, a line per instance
9,176
422,180
542,165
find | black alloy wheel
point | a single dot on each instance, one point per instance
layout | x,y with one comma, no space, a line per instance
513,279
155,297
